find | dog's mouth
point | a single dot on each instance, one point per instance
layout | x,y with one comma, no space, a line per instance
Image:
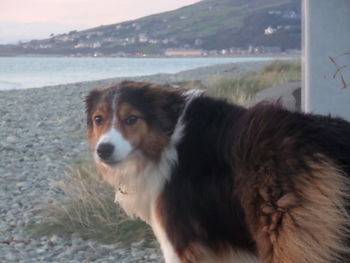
111,163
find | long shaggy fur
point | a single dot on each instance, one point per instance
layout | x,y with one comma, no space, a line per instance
293,182
228,184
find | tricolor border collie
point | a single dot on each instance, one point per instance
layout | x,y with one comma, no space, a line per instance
220,183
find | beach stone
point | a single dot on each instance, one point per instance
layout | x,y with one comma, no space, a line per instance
289,95
55,239
11,139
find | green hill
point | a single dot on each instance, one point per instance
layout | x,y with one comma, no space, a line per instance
206,25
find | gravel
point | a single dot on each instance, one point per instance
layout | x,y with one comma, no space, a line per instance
42,131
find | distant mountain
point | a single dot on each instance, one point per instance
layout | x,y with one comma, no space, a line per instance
206,25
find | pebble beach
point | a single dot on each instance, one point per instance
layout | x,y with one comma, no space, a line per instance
42,132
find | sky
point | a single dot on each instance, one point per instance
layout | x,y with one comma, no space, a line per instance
22,20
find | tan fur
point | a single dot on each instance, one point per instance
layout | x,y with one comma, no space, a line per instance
308,224
141,135
197,253
103,109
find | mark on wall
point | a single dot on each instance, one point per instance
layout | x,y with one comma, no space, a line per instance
339,73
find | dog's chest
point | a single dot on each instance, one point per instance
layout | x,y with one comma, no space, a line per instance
138,196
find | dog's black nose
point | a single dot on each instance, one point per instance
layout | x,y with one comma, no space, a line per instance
105,150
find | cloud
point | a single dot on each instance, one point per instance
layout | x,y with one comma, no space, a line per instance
31,19
14,32
83,11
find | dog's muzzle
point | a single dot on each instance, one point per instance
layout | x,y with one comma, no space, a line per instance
105,151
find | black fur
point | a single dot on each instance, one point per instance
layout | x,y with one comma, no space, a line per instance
198,204
201,203
160,106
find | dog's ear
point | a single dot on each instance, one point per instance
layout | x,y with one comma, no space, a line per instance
91,101
168,107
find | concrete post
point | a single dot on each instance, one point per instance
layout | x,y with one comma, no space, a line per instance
326,57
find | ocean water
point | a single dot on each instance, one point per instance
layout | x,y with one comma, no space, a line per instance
31,72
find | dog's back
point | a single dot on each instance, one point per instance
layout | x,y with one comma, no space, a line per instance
293,181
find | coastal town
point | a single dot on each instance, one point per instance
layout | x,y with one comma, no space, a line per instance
152,36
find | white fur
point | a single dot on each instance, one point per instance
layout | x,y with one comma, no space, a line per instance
143,186
139,191
167,249
122,147
192,93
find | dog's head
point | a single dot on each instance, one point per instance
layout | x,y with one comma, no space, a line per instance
131,118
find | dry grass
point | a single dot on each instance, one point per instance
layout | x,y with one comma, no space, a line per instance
242,89
88,209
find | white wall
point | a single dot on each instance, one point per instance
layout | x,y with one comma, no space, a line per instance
326,33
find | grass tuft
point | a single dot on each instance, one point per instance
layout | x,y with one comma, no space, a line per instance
88,209
242,89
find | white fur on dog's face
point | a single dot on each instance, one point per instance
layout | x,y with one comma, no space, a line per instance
114,137
122,147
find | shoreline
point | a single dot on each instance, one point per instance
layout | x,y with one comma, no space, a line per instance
230,69
282,54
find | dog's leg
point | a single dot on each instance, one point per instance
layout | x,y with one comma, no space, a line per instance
298,217
168,251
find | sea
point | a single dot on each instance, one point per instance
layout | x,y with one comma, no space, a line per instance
33,72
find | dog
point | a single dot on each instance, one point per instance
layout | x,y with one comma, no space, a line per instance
220,183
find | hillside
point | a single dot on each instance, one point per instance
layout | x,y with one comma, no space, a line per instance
206,25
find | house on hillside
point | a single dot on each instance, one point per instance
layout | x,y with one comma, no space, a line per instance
269,30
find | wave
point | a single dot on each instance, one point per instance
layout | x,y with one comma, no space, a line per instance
8,85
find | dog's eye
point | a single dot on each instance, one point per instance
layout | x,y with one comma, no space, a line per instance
131,120
98,120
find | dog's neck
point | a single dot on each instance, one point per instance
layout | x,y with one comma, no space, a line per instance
139,181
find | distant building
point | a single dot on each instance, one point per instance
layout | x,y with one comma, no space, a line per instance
198,42
271,50
45,46
153,41
143,38
183,52
96,45
269,30
88,45
290,14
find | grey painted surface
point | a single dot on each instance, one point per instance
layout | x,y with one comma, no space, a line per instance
326,33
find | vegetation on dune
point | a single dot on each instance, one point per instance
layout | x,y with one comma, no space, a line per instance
242,89
88,209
